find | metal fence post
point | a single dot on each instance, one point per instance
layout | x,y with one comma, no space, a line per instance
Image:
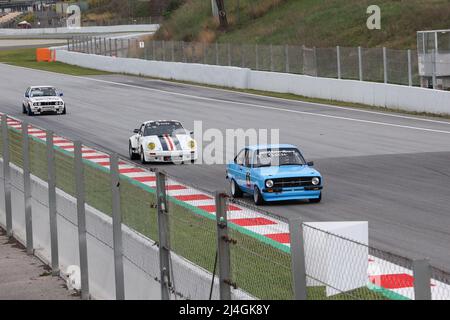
257,57
298,264
360,64
271,58
27,187
115,47
385,65
338,57
229,54
217,53
163,231
154,50
117,227
223,247
105,47
7,175
68,44
183,51
110,48
164,50
51,179
410,80
81,214
434,58
173,51
286,54
422,279
242,56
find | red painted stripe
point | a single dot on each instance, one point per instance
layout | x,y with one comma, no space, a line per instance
212,208
88,151
193,197
145,179
67,147
130,170
393,281
169,141
40,136
100,156
250,222
175,187
61,140
280,237
107,163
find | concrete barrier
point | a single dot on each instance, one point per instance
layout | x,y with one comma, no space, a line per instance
81,30
141,256
370,93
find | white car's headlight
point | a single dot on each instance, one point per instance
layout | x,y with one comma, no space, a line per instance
191,144
151,146
269,183
315,181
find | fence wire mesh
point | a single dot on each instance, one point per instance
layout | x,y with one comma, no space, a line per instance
316,62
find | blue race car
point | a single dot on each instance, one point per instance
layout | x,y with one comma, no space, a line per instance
274,173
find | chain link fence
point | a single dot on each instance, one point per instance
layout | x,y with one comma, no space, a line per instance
205,246
365,64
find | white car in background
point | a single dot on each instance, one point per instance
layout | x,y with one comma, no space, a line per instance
43,99
162,141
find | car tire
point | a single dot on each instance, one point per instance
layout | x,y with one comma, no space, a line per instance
65,110
133,156
30,113
24,110
316,200
257,197
142,156
235,191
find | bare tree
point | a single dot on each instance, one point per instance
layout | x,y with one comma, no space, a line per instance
222,15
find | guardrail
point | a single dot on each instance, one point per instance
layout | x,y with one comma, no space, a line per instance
138,234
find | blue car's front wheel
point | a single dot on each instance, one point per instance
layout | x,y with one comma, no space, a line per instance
257,197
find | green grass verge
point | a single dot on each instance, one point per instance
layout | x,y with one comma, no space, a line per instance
27,58
260,266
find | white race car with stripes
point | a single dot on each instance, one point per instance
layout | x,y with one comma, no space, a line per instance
162,141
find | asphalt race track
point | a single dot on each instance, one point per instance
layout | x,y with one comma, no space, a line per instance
392,170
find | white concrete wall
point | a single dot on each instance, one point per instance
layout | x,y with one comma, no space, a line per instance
141,257
369,93
81,30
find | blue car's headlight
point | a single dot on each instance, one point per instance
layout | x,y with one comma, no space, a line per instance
316,181
269,183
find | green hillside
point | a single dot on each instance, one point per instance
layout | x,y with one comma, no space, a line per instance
321,23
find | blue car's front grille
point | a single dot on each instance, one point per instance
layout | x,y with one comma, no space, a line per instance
293,182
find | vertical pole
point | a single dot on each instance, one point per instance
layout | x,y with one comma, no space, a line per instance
173,51
434,58
27,187
338,57
286,54
422,279
360,64
7,175
229,53
257,57
164,50
163,229
154,50
242,56
183,51
110,48
115,47
106,49
271,58
385,65
410,79
316,71
81,214
117,227
204,52
298,264
51,172
68,44
223,246
217,53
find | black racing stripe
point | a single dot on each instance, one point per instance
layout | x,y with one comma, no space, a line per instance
163,143
177,142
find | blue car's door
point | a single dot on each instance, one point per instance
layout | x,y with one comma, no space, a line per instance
249,178
236,169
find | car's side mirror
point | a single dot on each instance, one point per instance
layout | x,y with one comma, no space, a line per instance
192,132
61,94
136,130
310,164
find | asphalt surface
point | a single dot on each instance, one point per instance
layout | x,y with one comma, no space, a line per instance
392,170
24,277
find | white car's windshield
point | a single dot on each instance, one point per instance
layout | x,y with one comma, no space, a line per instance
278,157
43,92
162,128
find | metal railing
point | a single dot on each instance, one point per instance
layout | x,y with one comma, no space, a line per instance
375,64
310,263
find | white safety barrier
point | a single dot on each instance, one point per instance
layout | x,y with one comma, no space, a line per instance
370,93
141,257
80,30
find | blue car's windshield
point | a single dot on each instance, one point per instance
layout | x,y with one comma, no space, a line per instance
278,157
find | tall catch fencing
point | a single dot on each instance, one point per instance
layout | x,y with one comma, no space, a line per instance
205,246
366,64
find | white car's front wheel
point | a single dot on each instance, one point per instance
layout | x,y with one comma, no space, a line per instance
133,156
143,160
